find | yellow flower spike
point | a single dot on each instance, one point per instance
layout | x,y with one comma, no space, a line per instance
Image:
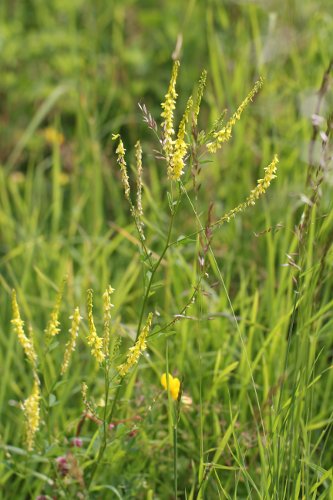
224,135
174,385
256,193
107,306
176,165
52,328
71,344
200,92
139,209
31,411
120,152
18,327
95,342
135,351
168,107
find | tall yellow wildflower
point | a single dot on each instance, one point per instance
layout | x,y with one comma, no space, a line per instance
32,413
224,135
135,351
95,342
18,327
176,164
168,107
71,344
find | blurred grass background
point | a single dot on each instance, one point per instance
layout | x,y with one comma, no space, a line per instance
81,68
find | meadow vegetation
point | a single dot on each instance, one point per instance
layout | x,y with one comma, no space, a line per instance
166,270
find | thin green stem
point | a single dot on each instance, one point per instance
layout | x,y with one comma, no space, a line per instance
155,268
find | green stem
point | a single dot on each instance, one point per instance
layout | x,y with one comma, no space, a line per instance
156,266
175,456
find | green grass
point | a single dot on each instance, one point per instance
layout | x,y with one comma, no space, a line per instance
254,350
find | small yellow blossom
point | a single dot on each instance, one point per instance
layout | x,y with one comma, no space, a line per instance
32,413
95,342
174,385
107,306
53,137
135,351
18,327
71,344
168,107
176,164
224,135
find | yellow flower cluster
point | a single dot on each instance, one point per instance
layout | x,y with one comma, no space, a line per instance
135,351
139,209
259,190
224,134
52,328
168,107
171,383
32,414
18,327
71,344
120,152
95,342
176,164
263,184
107,306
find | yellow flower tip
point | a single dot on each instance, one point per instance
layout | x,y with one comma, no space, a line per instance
120,148
224,135
120,152
174,385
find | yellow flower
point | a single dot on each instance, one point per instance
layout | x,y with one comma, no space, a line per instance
107,318
52,328
71,344
18,327
32,415
135,351
52,136
224,135
120,152
177,164
168,107
174,385
94,341
256,193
